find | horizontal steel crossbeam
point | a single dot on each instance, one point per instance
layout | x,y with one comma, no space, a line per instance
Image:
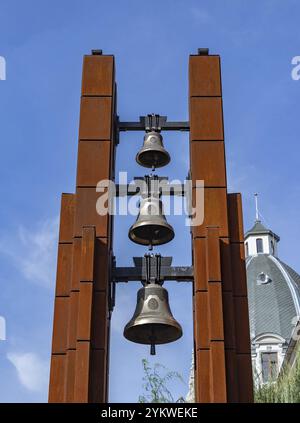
167,126
167,273
153,123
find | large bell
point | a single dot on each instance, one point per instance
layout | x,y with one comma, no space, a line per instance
152,322
153,154
151,226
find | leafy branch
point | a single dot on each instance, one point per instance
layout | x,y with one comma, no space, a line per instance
155,384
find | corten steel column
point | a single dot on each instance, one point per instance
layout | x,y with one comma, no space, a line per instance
221,325
79,362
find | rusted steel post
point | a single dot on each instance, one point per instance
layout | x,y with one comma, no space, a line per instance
79,363
221,322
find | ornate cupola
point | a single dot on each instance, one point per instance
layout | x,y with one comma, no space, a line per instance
259,239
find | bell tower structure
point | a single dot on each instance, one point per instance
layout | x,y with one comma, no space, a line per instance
87,272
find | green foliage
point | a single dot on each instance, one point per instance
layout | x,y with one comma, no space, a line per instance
156,382
286,389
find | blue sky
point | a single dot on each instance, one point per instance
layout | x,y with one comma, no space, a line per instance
43,44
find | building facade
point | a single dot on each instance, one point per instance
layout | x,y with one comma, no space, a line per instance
274,302
274,307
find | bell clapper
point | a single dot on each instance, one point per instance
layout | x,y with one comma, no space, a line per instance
152,349
152,345
150,246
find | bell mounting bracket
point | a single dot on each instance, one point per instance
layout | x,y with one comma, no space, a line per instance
153,122
151,181
152,268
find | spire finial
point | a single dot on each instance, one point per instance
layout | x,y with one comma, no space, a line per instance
256,207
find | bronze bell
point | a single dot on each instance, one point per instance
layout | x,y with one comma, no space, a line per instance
152,322
153,153
151,226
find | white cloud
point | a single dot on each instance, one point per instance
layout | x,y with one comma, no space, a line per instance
201,15
31,370
33,252
244,179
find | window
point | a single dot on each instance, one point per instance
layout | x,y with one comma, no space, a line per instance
272,247
263,279
259,245
269,365
247,249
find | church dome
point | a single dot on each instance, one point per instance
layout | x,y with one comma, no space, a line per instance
273,298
